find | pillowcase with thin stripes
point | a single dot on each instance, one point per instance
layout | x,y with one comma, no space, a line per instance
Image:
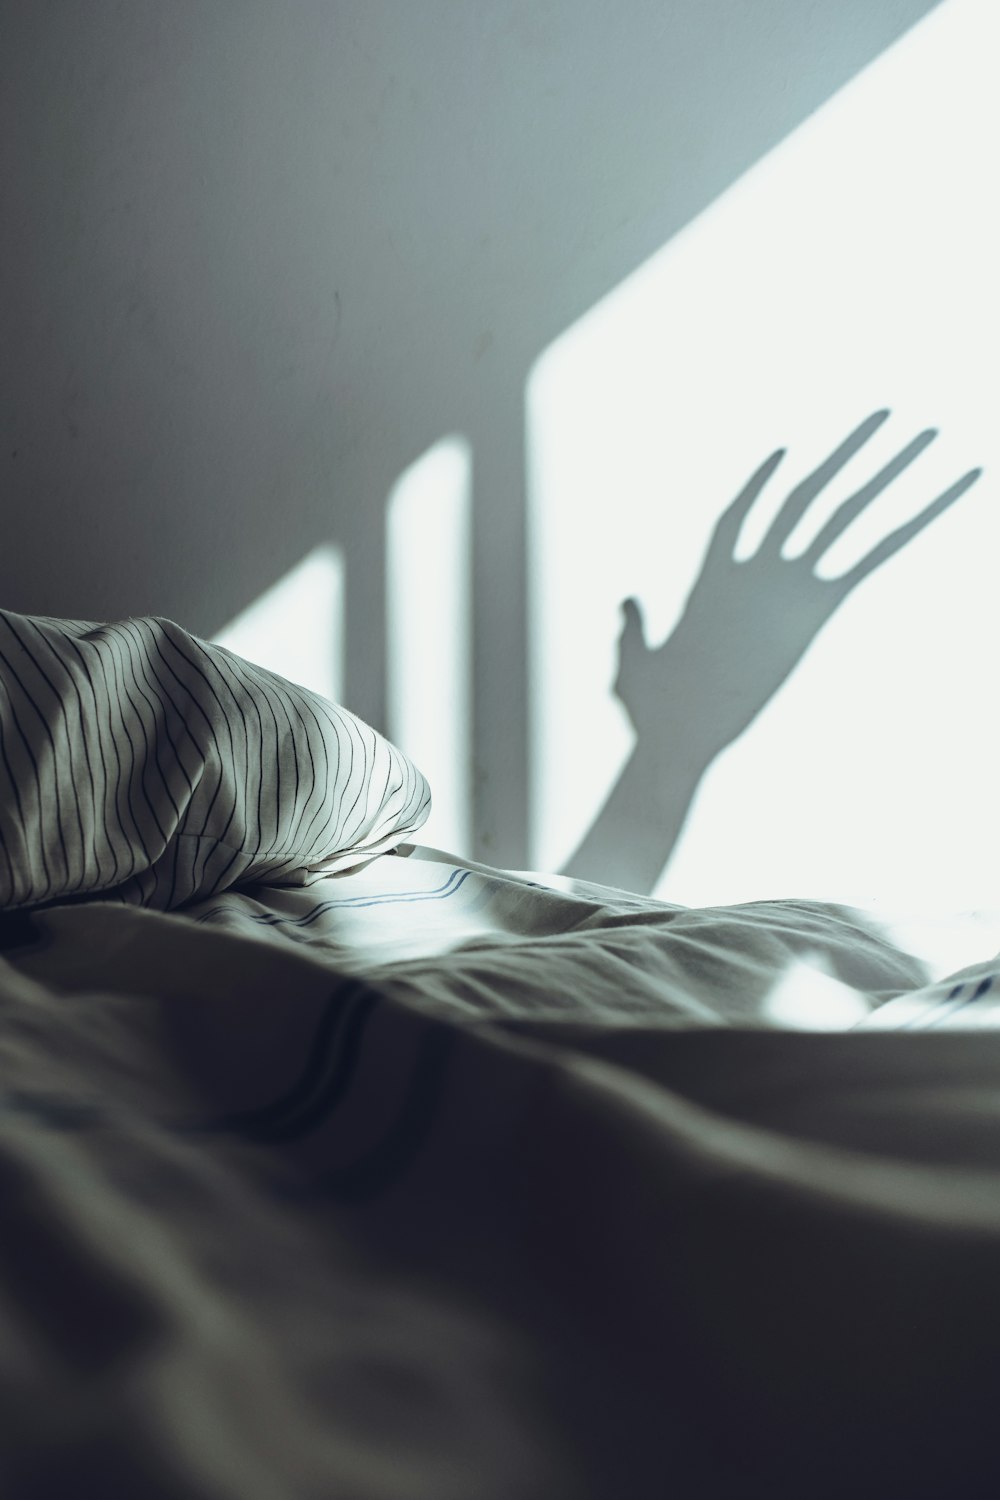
140,763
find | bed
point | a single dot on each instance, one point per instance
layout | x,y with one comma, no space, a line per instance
334,1165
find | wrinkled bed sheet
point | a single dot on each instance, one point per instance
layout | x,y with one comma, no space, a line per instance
435,1181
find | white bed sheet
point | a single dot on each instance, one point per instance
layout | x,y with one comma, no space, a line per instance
809,965
439,1181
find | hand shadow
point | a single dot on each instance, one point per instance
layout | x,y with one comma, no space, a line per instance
745,626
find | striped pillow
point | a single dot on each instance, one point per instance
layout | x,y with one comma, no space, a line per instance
142,764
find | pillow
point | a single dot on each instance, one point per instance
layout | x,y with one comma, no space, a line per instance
142,764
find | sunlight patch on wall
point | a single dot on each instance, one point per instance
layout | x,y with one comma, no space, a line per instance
297,627
852,269
428,621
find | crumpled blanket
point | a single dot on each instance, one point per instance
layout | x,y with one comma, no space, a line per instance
564,1213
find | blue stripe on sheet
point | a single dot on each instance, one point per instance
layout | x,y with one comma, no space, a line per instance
308,1107
392,1157
950,1006
400,898
378,1167
327,1070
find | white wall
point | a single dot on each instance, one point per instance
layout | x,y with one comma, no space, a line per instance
259,258
851,269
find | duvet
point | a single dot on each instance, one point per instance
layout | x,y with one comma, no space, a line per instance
538,1200
427,1181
